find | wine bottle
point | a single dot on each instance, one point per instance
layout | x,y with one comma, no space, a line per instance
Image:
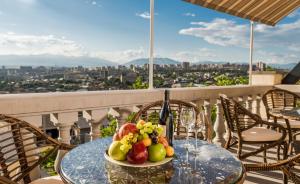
166,118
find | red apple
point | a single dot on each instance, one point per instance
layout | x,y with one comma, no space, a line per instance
126,129
138,154
116,137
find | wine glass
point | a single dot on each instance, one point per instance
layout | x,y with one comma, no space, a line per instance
198,126
187,117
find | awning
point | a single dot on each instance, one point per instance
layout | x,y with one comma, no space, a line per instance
269,12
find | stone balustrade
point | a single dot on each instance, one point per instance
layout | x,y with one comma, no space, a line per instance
63,108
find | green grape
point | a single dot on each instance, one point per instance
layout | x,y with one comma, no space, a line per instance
145,136
140,137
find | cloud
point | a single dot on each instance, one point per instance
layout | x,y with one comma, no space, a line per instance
275,57
189,14
200,54
121,56
224,32
219,32
144,15
18,44
27,1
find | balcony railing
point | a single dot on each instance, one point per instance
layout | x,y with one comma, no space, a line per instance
63,108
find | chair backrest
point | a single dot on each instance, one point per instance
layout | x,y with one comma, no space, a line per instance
151,112
21,146
279,99
238,118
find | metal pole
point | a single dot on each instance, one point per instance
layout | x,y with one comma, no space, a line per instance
251,52
151,57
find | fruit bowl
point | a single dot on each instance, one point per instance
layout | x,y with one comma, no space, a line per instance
139,145
127,164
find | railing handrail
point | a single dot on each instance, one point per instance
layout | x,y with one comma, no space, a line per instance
43,103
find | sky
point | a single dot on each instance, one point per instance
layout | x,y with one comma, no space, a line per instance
118,30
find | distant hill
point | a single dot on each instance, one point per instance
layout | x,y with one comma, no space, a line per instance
159,61
211,62
52,60
283,66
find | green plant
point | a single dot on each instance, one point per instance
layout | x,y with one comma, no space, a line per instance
130,117
48,165
110,129
139,84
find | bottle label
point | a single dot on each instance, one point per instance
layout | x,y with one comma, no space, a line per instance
164,132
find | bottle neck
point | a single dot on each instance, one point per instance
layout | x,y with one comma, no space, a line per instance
167,95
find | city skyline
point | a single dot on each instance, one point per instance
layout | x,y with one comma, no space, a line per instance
118,31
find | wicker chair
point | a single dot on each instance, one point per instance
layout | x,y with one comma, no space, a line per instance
246,128
286,166
151,111
282,99
20,151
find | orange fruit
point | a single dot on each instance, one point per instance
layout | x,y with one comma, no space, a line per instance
170,151
163,141
147,142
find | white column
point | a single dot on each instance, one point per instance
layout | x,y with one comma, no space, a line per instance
219,126
95,117
151,51
251,52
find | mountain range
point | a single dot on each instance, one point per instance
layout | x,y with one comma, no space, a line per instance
53,60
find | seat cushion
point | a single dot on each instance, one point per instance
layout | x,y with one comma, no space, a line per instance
260,134
48,180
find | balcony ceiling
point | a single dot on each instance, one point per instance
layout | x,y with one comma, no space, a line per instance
269,12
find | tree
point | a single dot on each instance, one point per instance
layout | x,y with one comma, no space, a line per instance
139,84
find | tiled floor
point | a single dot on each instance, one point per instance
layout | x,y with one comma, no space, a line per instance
262,177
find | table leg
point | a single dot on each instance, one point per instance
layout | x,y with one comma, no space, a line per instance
290,141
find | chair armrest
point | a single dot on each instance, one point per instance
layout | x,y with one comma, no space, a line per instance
4,180
66,147
272,166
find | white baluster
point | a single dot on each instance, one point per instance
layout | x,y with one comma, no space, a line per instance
95,117
219,126
249,103
257,104
64,123
207,113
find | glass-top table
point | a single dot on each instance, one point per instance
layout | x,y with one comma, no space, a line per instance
290,113
86,164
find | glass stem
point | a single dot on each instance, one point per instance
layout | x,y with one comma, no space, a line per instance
187,135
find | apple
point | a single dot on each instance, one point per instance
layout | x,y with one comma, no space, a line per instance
126,129
116,137
138,154
115,152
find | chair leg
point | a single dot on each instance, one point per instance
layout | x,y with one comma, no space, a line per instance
278,151
239,151
265,155
285,178
227,145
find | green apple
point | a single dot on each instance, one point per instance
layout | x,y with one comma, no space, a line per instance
157,152
114,151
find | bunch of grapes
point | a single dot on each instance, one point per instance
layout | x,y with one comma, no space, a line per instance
127,141
154,136
149,130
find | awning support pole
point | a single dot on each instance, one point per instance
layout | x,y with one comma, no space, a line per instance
251,52
151,51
